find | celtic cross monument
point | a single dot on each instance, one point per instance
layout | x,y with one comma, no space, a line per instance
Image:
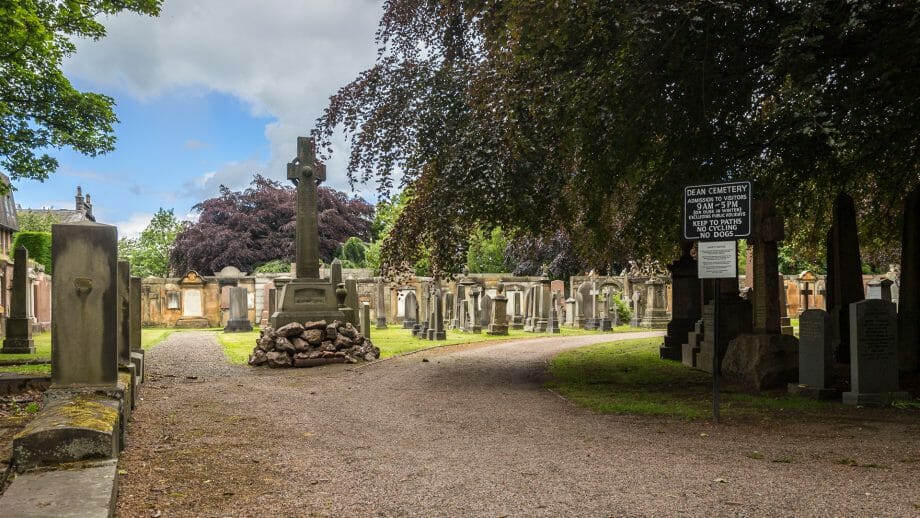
306,297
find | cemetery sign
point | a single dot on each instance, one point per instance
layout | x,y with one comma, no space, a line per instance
717,212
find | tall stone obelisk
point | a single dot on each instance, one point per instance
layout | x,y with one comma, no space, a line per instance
307,297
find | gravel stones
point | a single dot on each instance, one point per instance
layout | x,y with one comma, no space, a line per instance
311,344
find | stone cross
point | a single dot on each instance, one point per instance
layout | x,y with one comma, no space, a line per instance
806,293
306,173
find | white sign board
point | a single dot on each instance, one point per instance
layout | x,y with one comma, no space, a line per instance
717,259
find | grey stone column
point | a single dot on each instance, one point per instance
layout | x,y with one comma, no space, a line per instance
19,326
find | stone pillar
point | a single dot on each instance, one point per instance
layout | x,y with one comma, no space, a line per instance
473,320
380,305
685,303
84,330
436,330
655,315
366,320
239,311
764,272
844,272
909,290
19,326
134,313
499,317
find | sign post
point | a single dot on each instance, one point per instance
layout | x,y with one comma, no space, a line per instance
717,216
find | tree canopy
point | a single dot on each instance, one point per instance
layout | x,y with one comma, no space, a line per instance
149,252
593,115
39,108
249,228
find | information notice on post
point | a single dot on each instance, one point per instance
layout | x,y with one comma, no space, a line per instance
717,259
718,212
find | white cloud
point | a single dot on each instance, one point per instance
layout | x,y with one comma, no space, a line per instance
134,225
283,58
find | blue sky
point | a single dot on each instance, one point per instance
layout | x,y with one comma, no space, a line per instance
209,93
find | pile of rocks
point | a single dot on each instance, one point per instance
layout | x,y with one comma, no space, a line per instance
311,344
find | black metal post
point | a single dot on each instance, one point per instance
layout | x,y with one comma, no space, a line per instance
716,356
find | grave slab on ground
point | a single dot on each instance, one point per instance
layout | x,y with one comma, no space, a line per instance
88,492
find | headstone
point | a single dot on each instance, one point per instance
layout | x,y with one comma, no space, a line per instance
239,311
19,326
909,289
637,306
134,305
570,312
655,315
410,310
473,319
486,313
587,293
552,319
873,354
844,272
436,331
816,356
380,305
84,299
517,315
499,313
784,321
685,302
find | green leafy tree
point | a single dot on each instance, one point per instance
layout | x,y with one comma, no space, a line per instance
39,108
594,115
486,253
274,266
35,221
149,252
353,252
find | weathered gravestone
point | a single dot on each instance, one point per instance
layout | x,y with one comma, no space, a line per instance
873,354
473,324
366,320
84,353
844,272
552,320
517,314
19,326
485,316
410,310
655,315
134,317
239,311
909,290
436,330
816,356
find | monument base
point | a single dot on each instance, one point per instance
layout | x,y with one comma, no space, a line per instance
496,329
812,392
762,361
657,319
18,346
307,300
192,322
437,335
381,322
18,336
873,398
238,326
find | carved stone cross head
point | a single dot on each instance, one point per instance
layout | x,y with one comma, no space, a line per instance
305,164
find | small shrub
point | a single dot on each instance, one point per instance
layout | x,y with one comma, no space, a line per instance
38,244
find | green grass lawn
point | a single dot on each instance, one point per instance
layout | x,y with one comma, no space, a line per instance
150,336
628,377
394,340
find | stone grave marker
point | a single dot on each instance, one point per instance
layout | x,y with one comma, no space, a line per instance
239,311
499,313
486,313
19,326
844,271
909,289
410,310
873,354
816,356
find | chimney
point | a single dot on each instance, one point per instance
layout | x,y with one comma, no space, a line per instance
88,206
79,198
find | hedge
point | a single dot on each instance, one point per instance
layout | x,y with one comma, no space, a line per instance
38,244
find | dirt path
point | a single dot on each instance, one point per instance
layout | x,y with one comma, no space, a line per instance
470,432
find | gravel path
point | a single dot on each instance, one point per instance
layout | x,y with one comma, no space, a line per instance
471,432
